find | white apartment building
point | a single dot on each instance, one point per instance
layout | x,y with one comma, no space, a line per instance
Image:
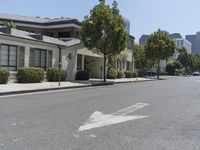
180,43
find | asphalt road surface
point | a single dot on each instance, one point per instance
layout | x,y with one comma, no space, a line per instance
154,115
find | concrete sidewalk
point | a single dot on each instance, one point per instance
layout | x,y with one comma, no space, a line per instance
17,88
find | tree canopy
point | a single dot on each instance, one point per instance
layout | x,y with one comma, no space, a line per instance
139,56
189,62
159,46
103,31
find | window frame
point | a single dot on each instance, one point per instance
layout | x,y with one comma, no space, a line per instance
40,58
8,61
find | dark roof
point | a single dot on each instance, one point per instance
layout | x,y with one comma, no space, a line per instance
36,37
37,20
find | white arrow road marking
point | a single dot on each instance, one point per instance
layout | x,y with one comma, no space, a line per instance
98,119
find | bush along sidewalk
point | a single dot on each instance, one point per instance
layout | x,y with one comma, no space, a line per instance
82,75
4,76
128,74
30,75
53,74
112,73
120,74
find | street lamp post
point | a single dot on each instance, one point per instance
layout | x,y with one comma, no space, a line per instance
60,65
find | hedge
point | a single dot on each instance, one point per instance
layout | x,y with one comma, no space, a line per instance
179,72
120,74
172,66
30,75
83,75
128,74
112,73
135,74
53,74
4,76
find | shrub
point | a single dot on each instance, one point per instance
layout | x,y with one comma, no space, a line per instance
4,76
172,66
128,74
83,75
112,73
120,74
53,74
141,73
163,73
135,74
179,72
30,75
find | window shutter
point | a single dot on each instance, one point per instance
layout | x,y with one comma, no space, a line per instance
21,56
32,57
50,57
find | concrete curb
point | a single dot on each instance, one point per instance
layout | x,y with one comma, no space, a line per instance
69,87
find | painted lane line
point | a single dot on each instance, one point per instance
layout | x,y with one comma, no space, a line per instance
98,119
131,109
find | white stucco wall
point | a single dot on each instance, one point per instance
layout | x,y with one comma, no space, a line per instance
70,65
31,44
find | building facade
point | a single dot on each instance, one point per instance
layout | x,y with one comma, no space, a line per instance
195,40
37,42
143,39
192,40
175,36
182,43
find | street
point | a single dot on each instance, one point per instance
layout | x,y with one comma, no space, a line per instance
153,115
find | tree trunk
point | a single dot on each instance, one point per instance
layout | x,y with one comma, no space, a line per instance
104,69
158,69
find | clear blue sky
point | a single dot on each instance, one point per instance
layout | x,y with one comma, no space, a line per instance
146,16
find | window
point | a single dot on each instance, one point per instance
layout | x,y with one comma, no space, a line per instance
50,57
38,58
123,64
127,65
79,62
64,34
21,56
8,57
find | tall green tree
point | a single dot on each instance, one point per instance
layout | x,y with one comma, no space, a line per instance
189,62
139,57
185,59
103,31
159,46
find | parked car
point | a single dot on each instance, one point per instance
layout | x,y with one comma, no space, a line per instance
150,72
196,73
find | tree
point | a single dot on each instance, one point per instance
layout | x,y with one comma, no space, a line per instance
172,66
159,46
103,32
139,56
189,62
186,60
10,24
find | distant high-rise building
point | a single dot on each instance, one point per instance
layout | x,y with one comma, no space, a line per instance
175,36
143,39
192,39
198,43
182,43
127,24
195,40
